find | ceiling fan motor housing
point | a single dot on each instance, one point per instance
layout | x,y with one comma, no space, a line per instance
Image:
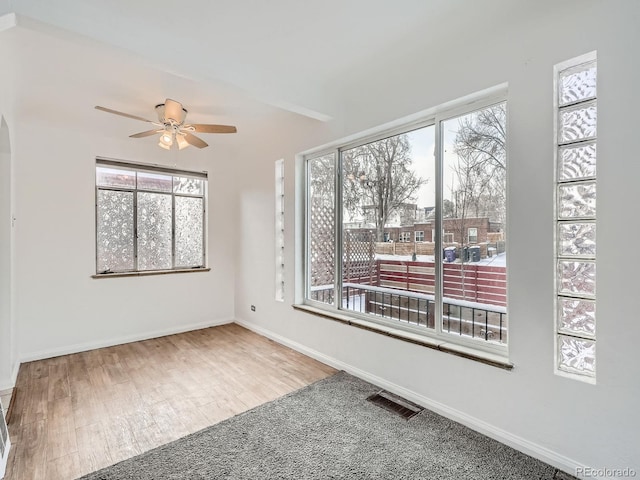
161,109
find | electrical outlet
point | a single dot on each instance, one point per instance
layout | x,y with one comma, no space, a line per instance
253,308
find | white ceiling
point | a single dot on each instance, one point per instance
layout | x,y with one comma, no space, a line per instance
293,54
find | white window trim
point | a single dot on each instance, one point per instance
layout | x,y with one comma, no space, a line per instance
434,116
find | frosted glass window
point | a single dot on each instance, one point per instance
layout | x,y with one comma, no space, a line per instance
148,218
189,232
193,186
279,230
578,278
577,200
154,231
577,239
115,231
577,355
577,83
575,247
578,123
577,161
577,316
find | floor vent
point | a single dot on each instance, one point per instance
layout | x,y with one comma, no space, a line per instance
395,404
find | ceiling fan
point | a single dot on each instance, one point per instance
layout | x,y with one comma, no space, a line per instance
171,126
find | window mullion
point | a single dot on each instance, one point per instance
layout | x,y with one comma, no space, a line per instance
173,230
338,276
204,229
135,231
96,229
437,254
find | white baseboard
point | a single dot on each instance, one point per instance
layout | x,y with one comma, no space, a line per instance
521,444
83,347
12,379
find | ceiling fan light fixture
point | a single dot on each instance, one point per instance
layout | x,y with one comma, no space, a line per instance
166,147
166,139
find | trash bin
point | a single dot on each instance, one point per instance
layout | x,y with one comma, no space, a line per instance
450,254
474,253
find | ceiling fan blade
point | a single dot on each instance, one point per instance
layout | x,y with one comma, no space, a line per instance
145,134
128,115
174,110
206,128
195,141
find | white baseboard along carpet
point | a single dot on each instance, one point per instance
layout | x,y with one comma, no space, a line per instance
329,430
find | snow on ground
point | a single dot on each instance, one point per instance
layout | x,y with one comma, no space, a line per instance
499,260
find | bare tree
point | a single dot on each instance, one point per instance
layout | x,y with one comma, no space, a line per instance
448,208
378,178
480,145
480,169
322,180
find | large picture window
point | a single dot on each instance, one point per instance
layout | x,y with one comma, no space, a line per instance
446,174
148,218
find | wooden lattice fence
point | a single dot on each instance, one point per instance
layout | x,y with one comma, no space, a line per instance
359,263
321,245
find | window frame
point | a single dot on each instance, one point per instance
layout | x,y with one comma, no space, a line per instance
415,235
433,117
469,229
137,167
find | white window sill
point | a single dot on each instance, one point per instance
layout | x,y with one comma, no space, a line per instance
150,272
447,347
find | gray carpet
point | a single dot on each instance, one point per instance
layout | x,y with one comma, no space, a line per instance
329,430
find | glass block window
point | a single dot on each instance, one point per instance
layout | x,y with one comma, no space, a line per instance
148,218
279,229
575,214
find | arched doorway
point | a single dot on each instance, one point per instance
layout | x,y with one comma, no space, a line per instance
6,327
5,256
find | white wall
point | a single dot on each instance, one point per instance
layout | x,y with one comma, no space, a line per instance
566,422
60,308
56,136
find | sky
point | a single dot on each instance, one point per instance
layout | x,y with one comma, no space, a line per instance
423,144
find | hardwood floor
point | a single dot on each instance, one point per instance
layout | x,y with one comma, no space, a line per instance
77,413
